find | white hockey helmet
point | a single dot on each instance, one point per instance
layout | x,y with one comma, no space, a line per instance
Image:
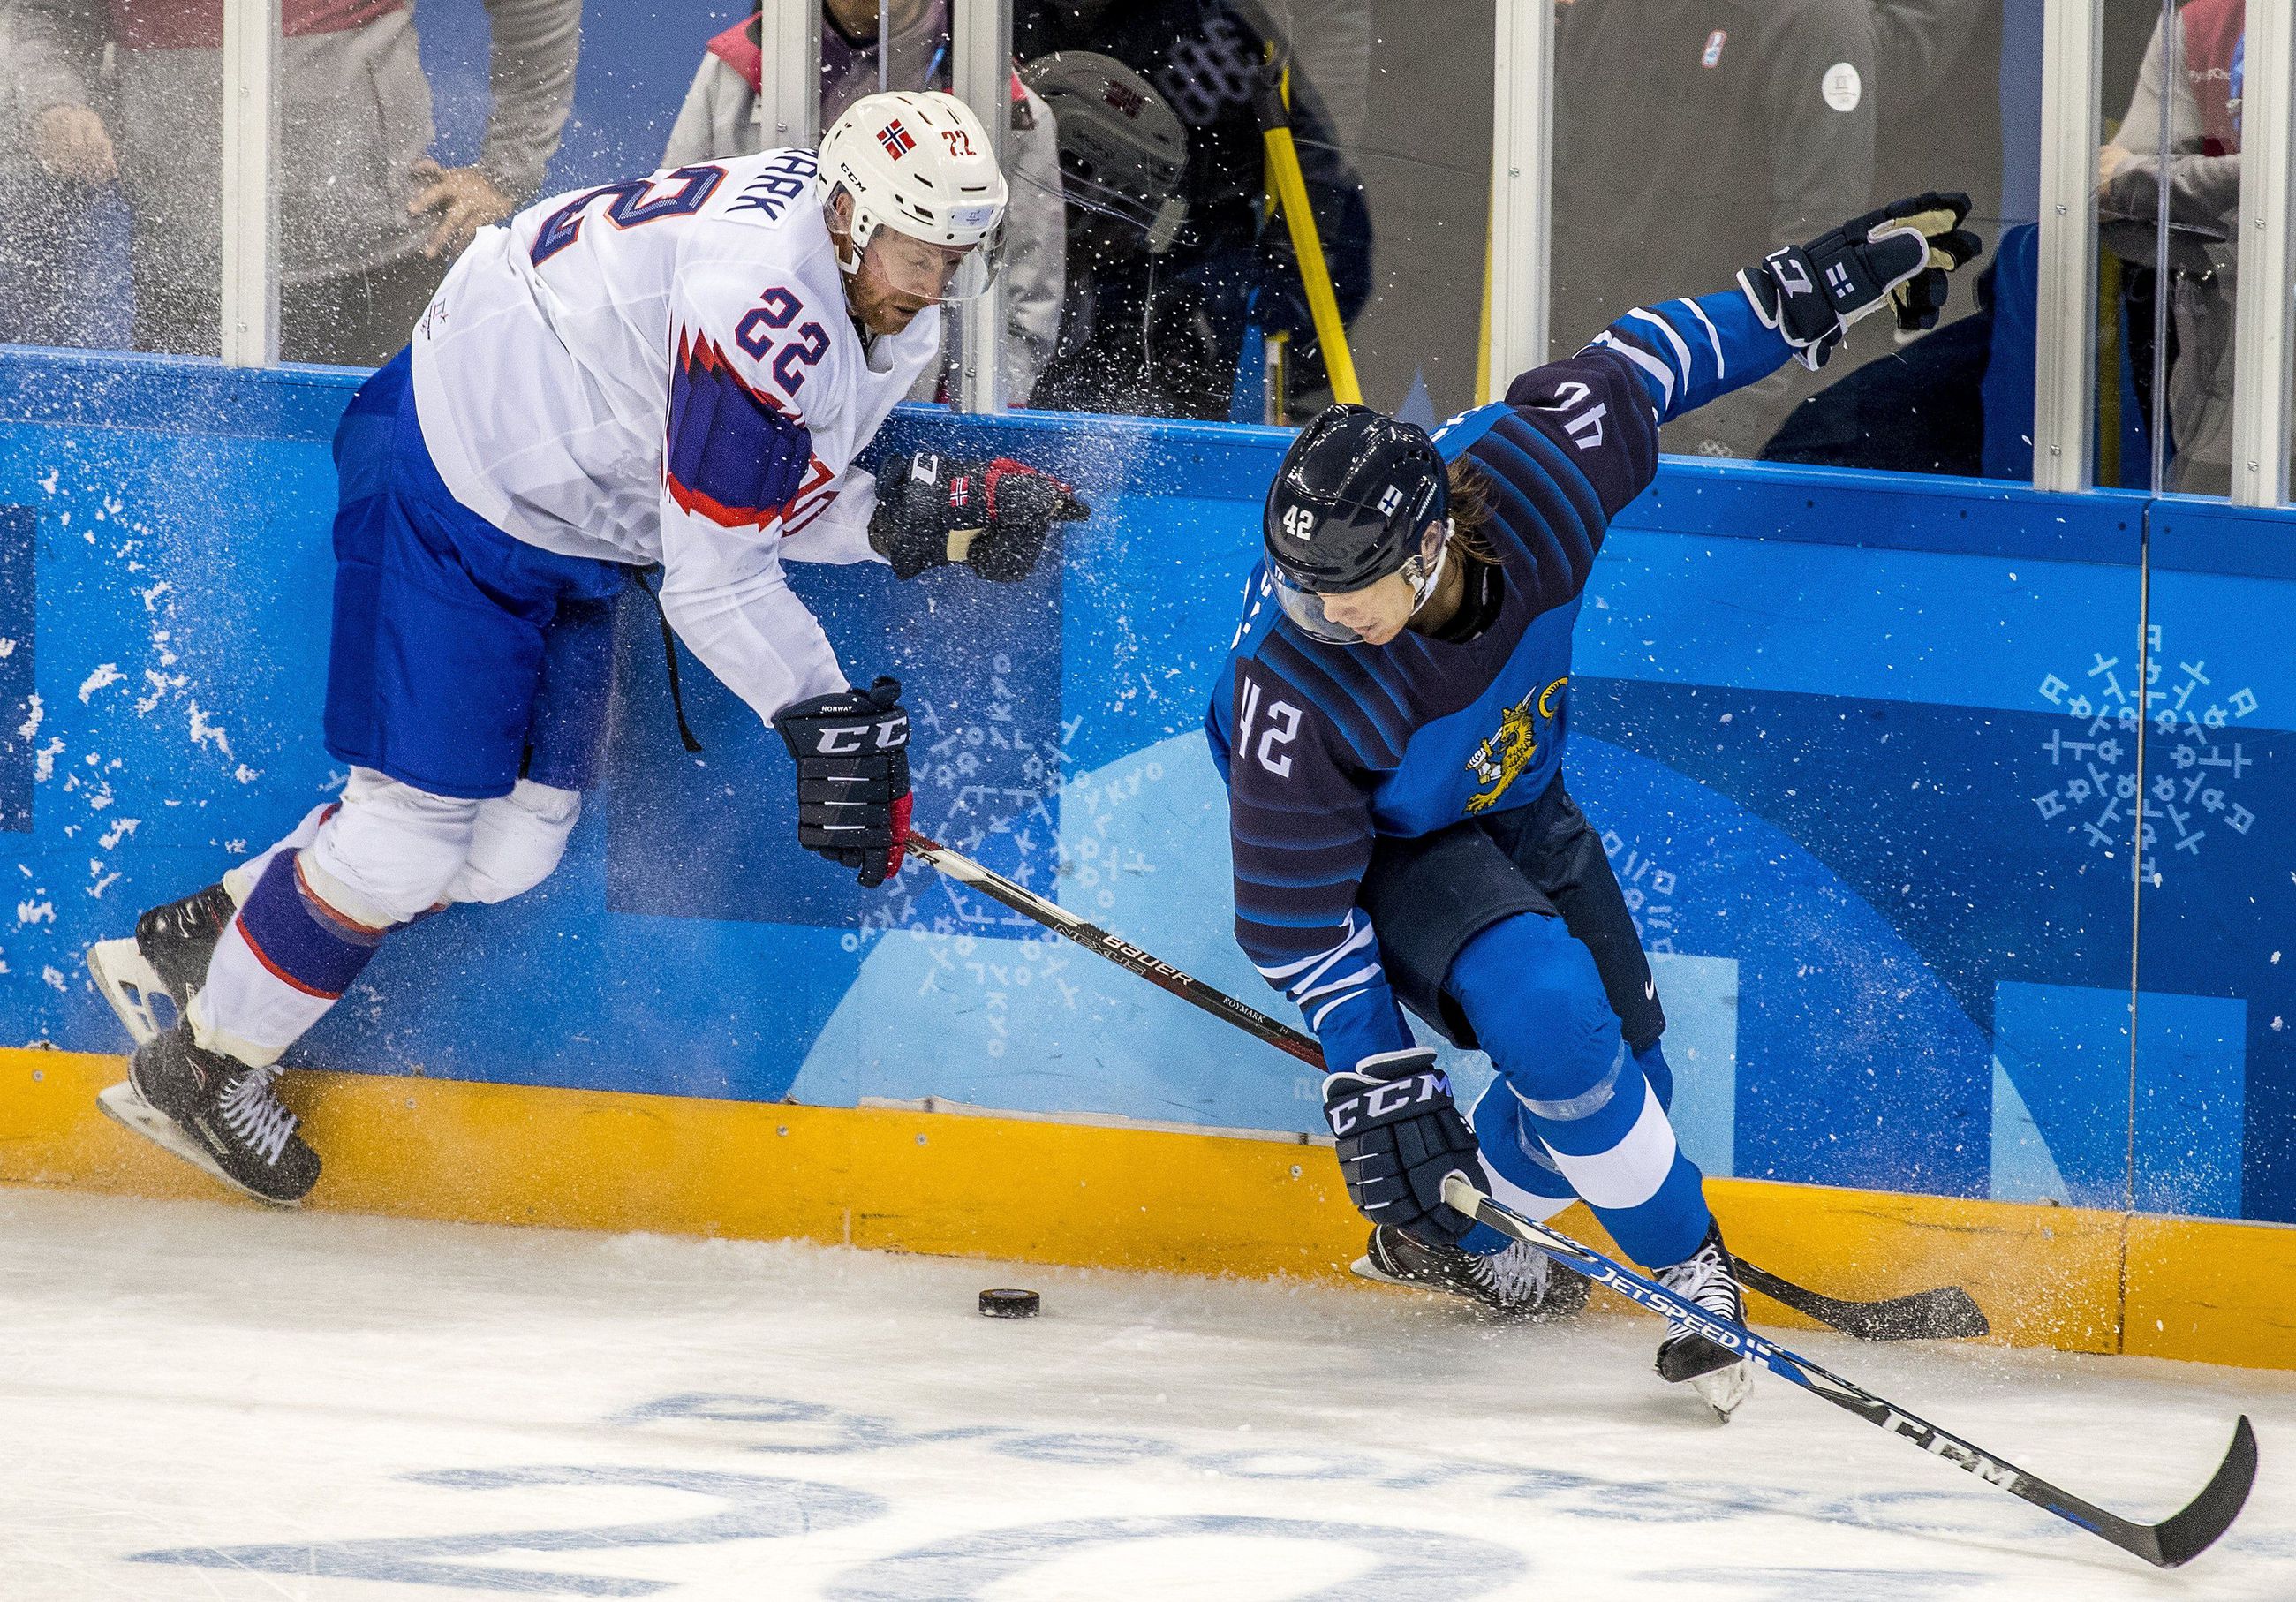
917,162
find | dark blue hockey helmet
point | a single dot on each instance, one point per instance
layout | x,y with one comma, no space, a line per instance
1350,506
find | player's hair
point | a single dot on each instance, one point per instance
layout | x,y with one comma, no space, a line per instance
1472,509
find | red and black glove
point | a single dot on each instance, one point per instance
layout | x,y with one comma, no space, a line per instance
994,516
852,755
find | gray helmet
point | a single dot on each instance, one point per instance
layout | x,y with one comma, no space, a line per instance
1123,149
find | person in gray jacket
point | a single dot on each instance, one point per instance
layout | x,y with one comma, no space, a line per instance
2201,275
368,222
64,264
721,118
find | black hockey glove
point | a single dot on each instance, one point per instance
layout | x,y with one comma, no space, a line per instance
933,509
1399,1138
852,755
1900,254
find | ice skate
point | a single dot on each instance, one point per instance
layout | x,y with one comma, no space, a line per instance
165,959
1522,1282
216,1112
1707,1278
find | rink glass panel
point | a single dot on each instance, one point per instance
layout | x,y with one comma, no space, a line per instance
1392,124
1689,141
2167,140
100,157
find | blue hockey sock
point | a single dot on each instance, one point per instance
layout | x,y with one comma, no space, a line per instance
1537,1002
1652,1060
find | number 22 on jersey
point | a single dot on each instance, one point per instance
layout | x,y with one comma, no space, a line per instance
634,204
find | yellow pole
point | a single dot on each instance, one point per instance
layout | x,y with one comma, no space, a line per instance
1291,191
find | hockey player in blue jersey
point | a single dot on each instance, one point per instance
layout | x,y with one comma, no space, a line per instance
1390,725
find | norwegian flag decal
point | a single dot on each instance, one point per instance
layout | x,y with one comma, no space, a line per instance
896,139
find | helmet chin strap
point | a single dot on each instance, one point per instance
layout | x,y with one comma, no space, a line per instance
857,229
1425,588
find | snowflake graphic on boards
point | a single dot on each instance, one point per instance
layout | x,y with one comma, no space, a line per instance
2193,767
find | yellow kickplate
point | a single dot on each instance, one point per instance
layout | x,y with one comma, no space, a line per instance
1100,1196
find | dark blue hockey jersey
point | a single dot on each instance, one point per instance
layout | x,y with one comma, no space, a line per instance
1325,747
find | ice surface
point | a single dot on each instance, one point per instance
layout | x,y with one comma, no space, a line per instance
208,1402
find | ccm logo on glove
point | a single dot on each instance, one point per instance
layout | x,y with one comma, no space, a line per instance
852,754
1399,1138
849,739
1382,1102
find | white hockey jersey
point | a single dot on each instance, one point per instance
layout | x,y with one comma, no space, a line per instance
664,370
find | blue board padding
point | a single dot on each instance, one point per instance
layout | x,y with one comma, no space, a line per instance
18,641
1966,629
2191,1095
2024,1167
711,835
1701,997
2065,1050
1799,701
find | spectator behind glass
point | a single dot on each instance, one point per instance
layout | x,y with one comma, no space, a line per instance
721,118
1123,154
63,268
1230,269
2204,174
1693,138
368,222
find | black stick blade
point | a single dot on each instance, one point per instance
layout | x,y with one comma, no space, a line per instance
1945,1313
2183,1536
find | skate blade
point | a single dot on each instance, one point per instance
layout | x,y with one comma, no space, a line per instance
1723,1389
1363,1268
127,983
125,1106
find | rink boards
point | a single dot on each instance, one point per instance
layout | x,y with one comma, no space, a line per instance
1865,752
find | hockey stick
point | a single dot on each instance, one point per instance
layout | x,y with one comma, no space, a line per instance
2176,1540
1945,1313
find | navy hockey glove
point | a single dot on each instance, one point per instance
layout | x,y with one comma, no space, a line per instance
1399,1138
1901,254
852,755
933,509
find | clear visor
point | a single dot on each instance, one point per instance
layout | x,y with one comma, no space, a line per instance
1306,608
933,273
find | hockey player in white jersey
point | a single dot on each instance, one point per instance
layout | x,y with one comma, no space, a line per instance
678,370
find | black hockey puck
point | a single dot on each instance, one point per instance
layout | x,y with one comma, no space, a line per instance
1009,1305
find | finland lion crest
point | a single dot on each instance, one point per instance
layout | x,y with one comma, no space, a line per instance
1498,761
